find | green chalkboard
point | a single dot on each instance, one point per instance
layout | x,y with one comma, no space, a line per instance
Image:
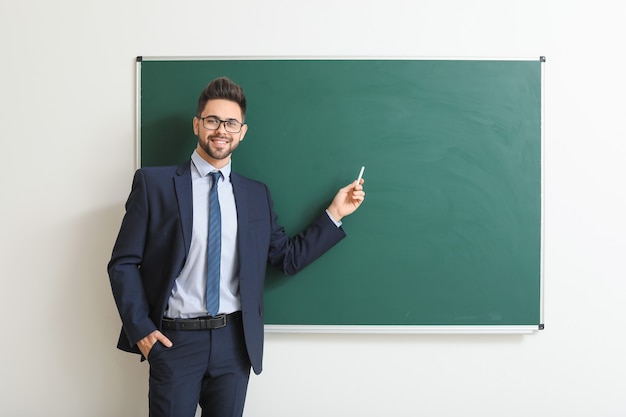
450,231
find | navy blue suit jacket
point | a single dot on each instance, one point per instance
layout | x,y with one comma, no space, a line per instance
154,241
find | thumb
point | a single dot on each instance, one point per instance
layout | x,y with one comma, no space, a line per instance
354,184
349,187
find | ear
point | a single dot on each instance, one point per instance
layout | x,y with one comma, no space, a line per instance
244,129
196,124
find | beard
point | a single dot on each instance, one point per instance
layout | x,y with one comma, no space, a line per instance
215,153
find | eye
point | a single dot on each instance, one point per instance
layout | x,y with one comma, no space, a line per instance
232,123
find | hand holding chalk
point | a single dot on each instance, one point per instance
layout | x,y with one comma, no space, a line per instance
348,199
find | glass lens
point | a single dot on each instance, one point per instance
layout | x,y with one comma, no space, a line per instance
232,126
211,123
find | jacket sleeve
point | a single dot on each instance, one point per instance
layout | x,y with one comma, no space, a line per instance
292,254
125,264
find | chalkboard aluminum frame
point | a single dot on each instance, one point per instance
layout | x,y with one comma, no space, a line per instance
384,329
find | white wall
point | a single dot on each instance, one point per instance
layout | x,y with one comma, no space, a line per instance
67,157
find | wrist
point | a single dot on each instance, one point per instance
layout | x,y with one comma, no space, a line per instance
334,213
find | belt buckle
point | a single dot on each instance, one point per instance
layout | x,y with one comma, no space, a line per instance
219,325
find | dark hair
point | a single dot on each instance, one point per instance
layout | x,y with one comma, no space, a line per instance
222,88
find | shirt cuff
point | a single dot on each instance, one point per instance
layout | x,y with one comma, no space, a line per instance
338,224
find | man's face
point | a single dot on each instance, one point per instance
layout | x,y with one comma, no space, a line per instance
216,145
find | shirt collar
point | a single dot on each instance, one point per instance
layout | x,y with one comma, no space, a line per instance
204,168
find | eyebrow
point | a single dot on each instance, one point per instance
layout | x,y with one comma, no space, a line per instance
218,117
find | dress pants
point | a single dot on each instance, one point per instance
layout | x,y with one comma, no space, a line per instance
206,367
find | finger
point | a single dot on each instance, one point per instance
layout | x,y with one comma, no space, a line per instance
353,186
164,340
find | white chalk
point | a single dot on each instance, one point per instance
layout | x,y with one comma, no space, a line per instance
358,180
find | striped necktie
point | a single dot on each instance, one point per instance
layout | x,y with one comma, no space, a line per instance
214,249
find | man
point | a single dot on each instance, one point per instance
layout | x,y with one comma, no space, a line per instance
192,303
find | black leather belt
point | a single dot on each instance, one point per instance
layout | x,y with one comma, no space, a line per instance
200,323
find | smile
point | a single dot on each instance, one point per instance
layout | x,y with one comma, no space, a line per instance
219,140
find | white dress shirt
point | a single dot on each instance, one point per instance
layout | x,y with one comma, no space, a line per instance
188,297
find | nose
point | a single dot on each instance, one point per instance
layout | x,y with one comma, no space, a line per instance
222,127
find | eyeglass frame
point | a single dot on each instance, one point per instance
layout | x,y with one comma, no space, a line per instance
221,122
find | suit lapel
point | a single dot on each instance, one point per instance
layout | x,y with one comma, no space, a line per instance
241,201
182,185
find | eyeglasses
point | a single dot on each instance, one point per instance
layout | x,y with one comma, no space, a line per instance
213,123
